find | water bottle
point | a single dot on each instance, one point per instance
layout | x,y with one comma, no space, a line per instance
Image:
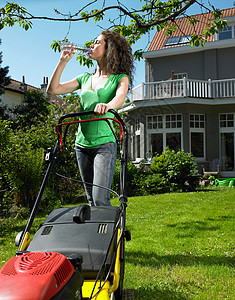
77,49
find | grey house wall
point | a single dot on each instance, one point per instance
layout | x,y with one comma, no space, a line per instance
202,65
212,130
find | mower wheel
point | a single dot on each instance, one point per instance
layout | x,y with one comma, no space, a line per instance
128,294
18,238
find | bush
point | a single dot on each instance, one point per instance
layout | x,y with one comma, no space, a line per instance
154,184
22,154
176,167
170,171
135,177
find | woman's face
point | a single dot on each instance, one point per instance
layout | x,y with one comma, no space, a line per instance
98,48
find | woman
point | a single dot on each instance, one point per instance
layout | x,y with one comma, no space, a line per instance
105,89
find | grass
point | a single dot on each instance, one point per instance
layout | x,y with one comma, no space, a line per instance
9,229
182,245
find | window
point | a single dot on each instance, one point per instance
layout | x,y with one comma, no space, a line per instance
178,40
137,124
197,135
227,141
197,121
173,140
172,41
163,131
137,146
185,39
226,120
137,137
156,143
180,75
225,33
173,121
227,150
197,144
154,122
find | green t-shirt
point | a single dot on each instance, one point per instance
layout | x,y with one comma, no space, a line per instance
94,134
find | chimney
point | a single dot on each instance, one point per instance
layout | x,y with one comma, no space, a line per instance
44,85
23,85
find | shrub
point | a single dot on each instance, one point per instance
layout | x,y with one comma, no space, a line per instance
176,167
25,174
5,188
135,177
154,184
22,149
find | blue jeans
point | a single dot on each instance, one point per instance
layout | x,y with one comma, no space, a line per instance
97,166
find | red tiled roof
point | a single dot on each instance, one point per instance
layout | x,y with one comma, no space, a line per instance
184,29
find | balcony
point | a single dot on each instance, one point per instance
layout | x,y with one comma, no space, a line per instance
183,88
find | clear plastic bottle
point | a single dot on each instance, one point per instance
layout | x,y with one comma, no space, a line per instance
77,49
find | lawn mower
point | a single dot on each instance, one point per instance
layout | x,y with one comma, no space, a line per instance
78,252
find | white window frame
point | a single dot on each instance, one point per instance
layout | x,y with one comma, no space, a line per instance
226,29
198,130
174,40
227,129
216,36
158,117
180,75
178,40
137,134
137,125
185,39
164,131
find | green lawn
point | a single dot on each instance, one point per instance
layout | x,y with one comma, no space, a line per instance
182,245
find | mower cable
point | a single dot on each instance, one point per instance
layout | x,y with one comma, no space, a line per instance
88,183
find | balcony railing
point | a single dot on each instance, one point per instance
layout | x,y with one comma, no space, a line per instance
184,88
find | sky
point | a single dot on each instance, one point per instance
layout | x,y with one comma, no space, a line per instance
28,53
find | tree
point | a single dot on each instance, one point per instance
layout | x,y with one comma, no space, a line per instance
4,81
3,111
130,22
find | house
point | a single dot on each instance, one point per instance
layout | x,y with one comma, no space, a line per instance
14,92
188,98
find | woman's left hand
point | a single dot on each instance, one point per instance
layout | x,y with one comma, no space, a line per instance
101,109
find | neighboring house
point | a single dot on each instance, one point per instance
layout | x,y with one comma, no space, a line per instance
188,98
14,92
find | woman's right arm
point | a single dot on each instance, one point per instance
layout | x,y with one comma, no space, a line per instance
55,87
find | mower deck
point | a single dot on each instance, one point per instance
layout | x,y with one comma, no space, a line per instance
88,238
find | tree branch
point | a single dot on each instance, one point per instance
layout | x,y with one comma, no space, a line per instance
136,18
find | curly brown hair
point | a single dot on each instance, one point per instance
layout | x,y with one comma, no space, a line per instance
118,57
